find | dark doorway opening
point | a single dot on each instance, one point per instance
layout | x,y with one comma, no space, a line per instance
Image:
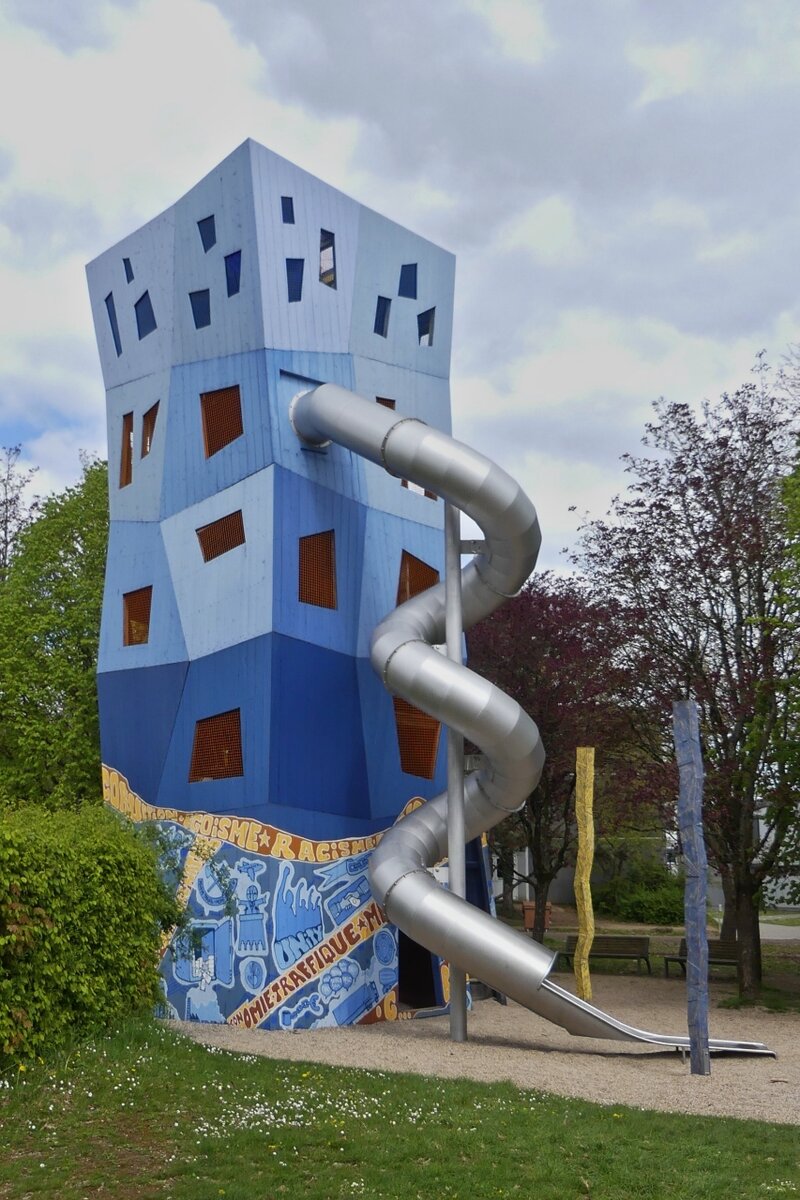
416,987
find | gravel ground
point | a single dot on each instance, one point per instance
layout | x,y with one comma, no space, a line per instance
510,1043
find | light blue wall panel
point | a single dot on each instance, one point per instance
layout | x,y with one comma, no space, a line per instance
137,715
140,500
417,395
303,508
320,321
188,475
383,248
136,559
150,251
228,599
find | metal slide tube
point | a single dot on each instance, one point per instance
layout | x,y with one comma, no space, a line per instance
403,654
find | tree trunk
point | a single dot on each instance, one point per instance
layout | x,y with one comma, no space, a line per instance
729,916
505,867
749,939
541,891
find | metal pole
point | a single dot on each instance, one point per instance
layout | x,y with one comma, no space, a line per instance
454,627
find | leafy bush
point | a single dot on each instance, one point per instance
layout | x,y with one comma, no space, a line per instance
82,911
643,891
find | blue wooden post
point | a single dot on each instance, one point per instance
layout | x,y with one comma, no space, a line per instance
686,733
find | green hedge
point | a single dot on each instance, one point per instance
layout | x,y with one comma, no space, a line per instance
647,892
82,910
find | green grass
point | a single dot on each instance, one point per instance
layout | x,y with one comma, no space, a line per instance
145,1114
776,920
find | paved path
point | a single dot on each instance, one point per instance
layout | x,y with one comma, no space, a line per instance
779,933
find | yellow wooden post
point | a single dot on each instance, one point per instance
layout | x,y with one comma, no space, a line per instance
584,795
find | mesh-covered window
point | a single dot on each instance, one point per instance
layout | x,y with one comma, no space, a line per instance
417,739
294,279
201,308
408,281
382,309
136,616
217,748
415,577
207,229
425,327
386,402
327,258
148,429
221,536
126,451
145,317
317,583
112,320
233,272
222,418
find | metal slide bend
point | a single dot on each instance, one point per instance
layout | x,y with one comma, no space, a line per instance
403,653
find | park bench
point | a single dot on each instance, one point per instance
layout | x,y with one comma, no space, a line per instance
721,953
634,948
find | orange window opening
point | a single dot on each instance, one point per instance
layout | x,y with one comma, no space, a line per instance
221,536
217,747
136,616
221,412
126,456
415,577
148,429
317,583
417,739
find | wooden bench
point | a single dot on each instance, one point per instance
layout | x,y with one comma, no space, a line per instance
720,954
634,948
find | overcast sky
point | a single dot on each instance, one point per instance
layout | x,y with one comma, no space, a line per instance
619,180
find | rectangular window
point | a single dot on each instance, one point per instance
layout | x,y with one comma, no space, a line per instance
148,429
233,272
408,281
287,210
126,451
126,262
327,258
294,279
208,232
136,616
112,320
221,536
317,583
386,402
145,317
217,748
425,327
415,577
201,308
221,413
417,739
382,308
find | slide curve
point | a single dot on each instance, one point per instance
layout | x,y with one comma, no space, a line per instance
403,652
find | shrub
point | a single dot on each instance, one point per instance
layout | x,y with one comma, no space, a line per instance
82,911
644,891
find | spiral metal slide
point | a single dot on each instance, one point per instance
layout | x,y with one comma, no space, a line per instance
403,653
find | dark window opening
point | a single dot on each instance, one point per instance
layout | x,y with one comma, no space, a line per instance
415,576
317,582
221,413
126,262
386,402
217,748
415,979
233,271
327,258
408,281
382,308
287,210
148,429
136,616
208,232
112,320
221,536
126,456
425,327
294,278
417,739
145,317
201,308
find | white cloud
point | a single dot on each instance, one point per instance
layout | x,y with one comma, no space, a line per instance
548,231
668,70
519,26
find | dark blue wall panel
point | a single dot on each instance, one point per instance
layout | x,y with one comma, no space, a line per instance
137,715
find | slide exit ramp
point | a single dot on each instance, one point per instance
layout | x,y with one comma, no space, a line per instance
403,653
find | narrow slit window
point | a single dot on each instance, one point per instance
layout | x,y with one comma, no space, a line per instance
386,402
294,279
415,577
221,536
287,210
382,308
233,272
217,747
136,616
221,413
408,281
148,429
327,258
201,308
317,582
425,327
417,739
145,317
112,320
208,232
126,262
126,451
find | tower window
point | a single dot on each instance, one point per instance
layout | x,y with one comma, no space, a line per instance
217,748
386,402
382,308
126,451
145,317
126,262
221,536
201,308
148,429
317,583
294,279
233,271
417,739
327,258
136,616
408,281
208,232
112,320
287,210
415,577
221,413
425,327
